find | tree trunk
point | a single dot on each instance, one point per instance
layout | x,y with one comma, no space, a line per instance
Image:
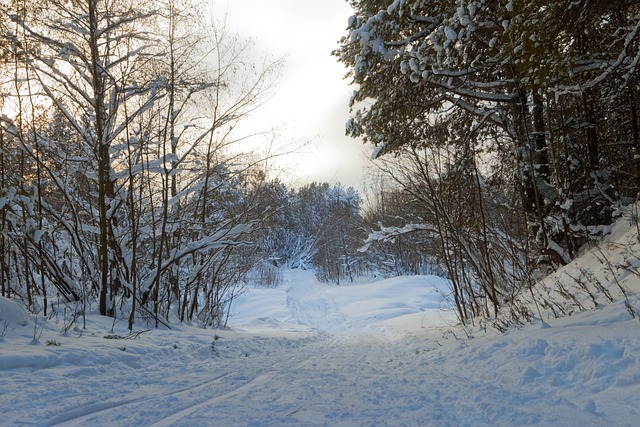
634,114
541,154
3,222
102,155
592,133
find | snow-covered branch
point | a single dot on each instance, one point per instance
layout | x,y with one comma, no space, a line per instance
387,233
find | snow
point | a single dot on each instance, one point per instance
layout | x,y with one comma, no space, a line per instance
378,353
397,4
302,300
12,312
450,33
377,150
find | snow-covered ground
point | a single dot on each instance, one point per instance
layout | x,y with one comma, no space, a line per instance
371,354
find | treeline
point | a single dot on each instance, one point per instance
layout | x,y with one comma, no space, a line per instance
335,232
510,128
317,227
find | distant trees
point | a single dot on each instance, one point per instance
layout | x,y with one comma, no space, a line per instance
316,226
333,218
514,126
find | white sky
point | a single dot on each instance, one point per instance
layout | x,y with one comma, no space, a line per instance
312,100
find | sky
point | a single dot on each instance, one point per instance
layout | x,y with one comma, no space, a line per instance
312,100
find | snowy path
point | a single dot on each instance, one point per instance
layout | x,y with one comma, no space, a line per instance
348,379
360,379
313,355
310,304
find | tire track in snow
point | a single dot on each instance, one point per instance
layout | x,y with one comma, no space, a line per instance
289,360
344,377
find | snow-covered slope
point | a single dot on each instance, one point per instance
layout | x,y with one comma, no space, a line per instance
605,273
302,300
381,353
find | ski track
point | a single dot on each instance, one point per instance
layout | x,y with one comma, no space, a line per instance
83,414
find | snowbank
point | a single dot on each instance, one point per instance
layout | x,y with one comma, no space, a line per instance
12,312
416,301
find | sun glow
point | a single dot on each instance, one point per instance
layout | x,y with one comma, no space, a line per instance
310,107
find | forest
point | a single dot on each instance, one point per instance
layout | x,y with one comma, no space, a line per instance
505,138
509,127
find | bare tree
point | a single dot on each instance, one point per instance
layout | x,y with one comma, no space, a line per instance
126,137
